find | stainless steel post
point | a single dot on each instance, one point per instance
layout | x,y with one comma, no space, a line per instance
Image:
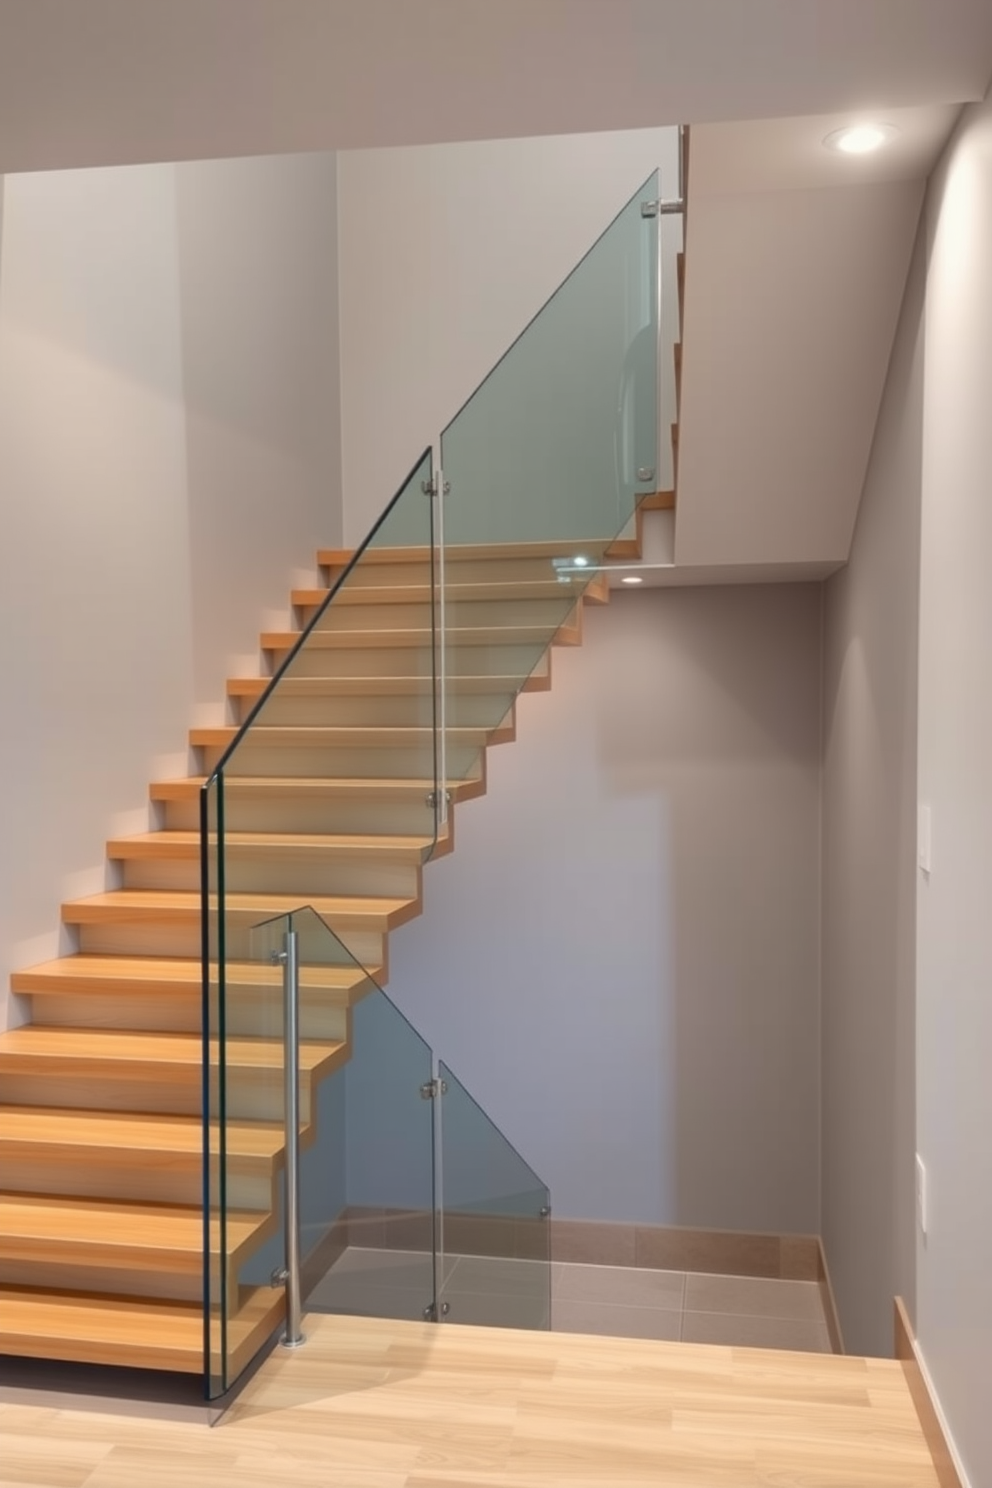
441,816
293,1336
683,139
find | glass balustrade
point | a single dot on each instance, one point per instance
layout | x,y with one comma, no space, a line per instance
336,788
494,1230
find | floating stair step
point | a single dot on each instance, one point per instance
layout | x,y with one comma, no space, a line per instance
309,751
127,1156
185,846
389,702
120,906
311,789
304,804
110,1069
463,573
124,1155
303,863
279,642
144,993
560,588
325,738
160,922
465,552
155,1058
84,1233
154,978
139,1333
412,686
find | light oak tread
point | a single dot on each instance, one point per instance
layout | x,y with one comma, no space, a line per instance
123,905
323,736
120,1136
120,1052
307,787
160,976
418,686
185,846
143,1333
105,1232
552,588
407,636
465,552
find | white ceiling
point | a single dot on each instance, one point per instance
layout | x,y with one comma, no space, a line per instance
87,82
789,154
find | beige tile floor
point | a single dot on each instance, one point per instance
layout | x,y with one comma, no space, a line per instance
616,1301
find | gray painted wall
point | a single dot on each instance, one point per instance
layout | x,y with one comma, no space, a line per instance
954,944
169,414
908,718
869,867
258,292
621,958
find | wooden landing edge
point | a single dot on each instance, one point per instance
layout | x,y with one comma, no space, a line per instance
828,1301
927,1411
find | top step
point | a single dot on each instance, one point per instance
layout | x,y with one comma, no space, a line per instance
468,552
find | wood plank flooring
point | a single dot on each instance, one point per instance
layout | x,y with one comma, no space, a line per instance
382,1404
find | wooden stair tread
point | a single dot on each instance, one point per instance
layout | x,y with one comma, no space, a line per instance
186,845
38,1227
406,788
159,976
117,1049
458,635
324,736
408,686
142,1332
139,904
464,552
478,591
119,1135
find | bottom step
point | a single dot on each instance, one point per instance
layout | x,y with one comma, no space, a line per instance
87,1328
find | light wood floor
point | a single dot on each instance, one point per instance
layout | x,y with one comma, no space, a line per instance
377,1404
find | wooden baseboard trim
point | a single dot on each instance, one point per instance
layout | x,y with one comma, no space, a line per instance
591,1243
828,1301
907,1353
669,1248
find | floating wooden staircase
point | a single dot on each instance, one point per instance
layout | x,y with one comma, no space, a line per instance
101,1168
101,1228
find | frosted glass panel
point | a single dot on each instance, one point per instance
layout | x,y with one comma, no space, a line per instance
560,440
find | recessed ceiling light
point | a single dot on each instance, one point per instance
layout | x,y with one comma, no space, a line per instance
860,139
632,579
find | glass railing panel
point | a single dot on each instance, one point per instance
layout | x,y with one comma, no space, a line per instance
366,1161
503,608
495,1221
385,1266
561,438
342,742
546,463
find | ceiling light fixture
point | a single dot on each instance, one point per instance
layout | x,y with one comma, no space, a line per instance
860,139
632,579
